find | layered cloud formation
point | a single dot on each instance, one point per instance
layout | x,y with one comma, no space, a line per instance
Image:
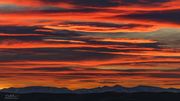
89,43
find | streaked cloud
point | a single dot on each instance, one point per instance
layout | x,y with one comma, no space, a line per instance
89,43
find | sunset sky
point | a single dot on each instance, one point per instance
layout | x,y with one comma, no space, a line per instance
89,43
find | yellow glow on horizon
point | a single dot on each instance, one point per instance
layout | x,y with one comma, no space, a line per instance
3,86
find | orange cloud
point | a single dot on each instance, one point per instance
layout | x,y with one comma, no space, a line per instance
68,43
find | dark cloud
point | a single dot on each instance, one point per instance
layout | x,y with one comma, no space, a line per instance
135,45
144,70
108,3
5,76
97,41
33,33
89,76
135,70
18,75
73,54
63,10
50,69
149,63
87,81
154,75
143,2
108,82
71,76
173,84
168,16
95,3
105,74
166,75
19,29
9,8
52,54
111,25
23,30
81,6
89,3
35,30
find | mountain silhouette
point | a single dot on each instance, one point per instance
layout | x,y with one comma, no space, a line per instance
117,88
36,89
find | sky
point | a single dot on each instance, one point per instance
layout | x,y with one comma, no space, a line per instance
89,43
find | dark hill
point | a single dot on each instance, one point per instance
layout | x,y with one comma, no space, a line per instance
110,96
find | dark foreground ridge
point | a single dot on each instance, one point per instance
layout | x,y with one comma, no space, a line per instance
115,93
108,96
117,89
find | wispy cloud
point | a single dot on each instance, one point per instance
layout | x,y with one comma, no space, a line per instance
89,43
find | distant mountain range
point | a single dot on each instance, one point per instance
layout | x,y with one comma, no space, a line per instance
117,88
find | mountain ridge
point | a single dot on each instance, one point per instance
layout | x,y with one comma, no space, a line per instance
116,88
